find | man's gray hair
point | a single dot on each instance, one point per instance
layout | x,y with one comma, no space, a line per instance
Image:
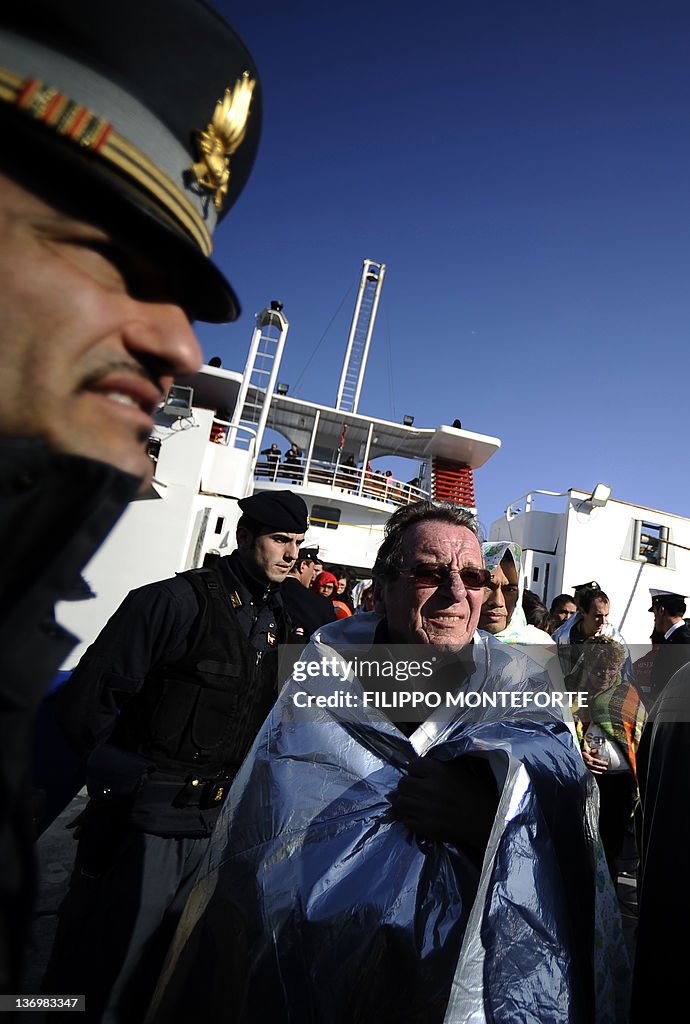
389,557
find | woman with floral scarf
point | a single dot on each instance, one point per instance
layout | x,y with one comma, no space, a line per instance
503,616
502,611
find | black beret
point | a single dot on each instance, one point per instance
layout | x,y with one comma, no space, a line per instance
280,510
143,114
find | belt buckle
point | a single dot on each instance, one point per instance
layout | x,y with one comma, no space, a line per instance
191,794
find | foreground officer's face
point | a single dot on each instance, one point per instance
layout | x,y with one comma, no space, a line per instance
90,339
443,614
270,556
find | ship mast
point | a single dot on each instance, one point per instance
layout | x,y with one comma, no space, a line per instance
361,330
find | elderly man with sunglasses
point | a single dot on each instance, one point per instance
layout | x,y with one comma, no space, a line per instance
401,844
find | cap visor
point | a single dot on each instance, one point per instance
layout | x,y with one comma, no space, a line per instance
84,187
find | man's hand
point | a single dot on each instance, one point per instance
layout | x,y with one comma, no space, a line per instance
595,764
448,801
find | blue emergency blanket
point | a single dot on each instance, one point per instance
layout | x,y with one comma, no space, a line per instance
315,905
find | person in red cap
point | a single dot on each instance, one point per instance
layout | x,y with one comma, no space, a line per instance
326,584
129,130
163,708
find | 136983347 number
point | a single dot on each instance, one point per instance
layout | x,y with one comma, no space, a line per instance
42,1003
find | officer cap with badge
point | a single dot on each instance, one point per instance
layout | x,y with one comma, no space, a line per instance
581,587
142,116
667,599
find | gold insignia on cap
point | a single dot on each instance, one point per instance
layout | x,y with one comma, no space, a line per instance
77,124
222,138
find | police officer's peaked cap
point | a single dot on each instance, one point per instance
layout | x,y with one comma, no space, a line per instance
310,544
279,510
666,597
592,585
140,115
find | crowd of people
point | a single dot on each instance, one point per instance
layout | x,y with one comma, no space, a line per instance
303,894
413,821
160,765
287,463
342,471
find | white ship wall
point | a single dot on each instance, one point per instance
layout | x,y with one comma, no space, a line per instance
159,536
354,543
582,543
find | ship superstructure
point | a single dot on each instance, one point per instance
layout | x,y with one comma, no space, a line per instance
207,449
349,501
573,537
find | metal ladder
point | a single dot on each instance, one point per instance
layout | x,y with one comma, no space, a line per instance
361,330
259,378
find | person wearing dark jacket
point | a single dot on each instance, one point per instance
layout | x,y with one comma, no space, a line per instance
163,708
672,637
107,210
55,510
660,990
307,609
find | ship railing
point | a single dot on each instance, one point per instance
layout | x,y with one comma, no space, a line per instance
341,478
527,502
237,435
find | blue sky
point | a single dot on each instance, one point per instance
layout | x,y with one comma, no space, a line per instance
523,170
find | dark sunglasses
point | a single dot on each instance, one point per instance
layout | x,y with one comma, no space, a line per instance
435,575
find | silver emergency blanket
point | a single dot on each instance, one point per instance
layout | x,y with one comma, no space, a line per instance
317,907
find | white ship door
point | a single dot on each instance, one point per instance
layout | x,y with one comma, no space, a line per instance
538,572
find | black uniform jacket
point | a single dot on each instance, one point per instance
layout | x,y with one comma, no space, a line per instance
669,656
55,510
307,609
660,990
165,703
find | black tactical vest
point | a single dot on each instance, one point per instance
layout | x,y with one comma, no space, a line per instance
201,714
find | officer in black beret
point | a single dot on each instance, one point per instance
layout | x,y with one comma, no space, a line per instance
129,128
163,708
276,507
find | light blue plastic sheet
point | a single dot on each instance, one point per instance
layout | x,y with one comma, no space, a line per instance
317,906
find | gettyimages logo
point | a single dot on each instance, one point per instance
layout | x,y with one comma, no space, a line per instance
417,682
